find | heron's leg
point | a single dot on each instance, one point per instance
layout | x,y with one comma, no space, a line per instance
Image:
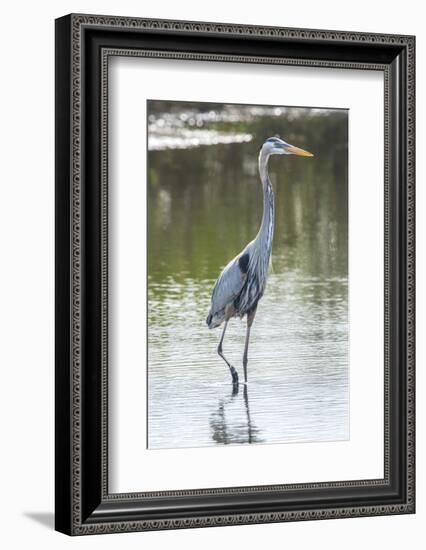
250,319
234,373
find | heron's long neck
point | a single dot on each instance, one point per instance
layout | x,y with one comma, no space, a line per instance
266,231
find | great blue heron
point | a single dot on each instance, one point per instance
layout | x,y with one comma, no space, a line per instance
242,282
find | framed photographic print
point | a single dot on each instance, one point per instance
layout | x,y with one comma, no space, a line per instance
234,274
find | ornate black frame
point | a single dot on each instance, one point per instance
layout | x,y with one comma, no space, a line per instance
83,46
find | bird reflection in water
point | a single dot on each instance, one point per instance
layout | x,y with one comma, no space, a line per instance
231,423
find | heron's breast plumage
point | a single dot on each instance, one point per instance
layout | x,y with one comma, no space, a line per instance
255,283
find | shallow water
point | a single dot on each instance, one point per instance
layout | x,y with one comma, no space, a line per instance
204,205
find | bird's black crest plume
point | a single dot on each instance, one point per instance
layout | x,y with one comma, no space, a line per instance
272,139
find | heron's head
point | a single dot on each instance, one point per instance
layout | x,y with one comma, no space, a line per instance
276,146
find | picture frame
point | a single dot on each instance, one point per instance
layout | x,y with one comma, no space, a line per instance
83,503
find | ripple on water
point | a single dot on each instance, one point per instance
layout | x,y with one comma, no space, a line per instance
298,368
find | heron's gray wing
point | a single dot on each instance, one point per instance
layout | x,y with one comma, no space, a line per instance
229,285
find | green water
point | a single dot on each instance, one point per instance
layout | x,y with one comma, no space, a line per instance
204,206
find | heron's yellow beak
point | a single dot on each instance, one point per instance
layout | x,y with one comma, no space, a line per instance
299,152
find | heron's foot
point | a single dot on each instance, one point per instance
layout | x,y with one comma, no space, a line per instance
234,375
